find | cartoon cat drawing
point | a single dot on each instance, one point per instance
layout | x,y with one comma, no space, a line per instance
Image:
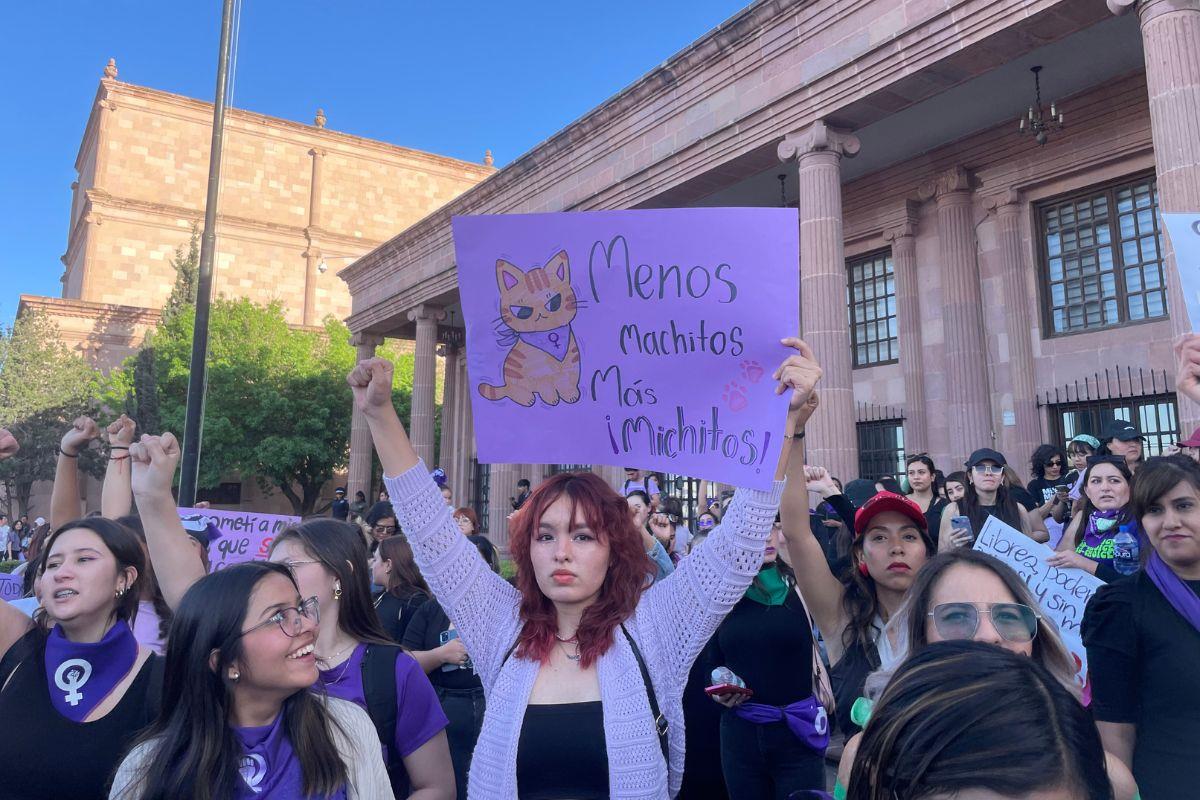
536,311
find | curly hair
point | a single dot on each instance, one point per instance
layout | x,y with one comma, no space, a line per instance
629,570
1043,455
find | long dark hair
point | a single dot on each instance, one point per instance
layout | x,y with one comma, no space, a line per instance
340,548
963,715
150,585
195,752
1048,648
1160,475
126,549
859,600
1042,456
405,579
1087,509
1006,508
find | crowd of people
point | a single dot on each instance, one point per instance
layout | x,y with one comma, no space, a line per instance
740,646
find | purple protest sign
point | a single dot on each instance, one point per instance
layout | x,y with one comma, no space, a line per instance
236,536
640,338
11,587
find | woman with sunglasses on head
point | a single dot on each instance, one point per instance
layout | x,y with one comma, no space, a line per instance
1143,638
77,687
404,590
922,484
240,720
986,496
583,662
356,660
890,545
1089,541
963,594
973,721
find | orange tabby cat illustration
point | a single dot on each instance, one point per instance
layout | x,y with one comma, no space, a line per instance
536,311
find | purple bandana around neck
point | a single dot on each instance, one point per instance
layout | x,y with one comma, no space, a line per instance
806,719
553,342
1097,531
81,674
269,767
1178,594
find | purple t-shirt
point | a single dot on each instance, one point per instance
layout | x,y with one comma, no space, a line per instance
419,714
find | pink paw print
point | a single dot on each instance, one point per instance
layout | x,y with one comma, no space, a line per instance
735,396
752,371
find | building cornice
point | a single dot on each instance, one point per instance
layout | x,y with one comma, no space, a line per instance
87,309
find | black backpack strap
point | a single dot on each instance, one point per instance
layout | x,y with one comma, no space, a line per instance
154,689
660,722
379,689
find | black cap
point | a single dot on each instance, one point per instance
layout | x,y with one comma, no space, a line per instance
1121,429
985,454
339,490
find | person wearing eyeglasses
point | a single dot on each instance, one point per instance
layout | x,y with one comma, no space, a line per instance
381,519
1050,488
986,496
239,720
1088,542
1143,638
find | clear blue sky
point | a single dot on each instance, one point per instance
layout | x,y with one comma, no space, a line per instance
452,78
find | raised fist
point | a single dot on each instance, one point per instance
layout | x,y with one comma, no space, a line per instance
154,460
371,383
120,432
83,431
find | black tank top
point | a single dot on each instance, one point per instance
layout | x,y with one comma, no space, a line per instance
47,756
562,753
847,678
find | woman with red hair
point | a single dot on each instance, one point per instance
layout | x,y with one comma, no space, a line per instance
582,664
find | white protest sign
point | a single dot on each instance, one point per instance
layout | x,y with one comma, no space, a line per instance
1062,593
1184,230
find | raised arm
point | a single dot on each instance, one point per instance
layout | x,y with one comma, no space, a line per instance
177,564
1187,365
685,609
64,497
822,591
481,603
116,498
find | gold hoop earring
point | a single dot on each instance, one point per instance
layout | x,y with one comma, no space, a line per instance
337,593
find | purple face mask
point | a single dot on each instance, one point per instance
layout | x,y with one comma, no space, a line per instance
81,674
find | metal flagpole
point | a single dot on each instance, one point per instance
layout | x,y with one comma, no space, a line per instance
197,379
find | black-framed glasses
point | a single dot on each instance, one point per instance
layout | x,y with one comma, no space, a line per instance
1015,622
291,620
388,529
1057,462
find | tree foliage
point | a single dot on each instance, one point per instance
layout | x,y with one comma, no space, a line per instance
44,386
277,407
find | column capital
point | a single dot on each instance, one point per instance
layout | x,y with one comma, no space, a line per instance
365,339
316,152
955,179
426,312
1148,9
447,350
1007,201
904,222
817,137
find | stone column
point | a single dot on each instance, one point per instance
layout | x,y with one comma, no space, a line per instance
1171,40
824,319
449,421
967,390
312,255
1016,304
908,313
501,485
362,450
312,260
465,440
420,429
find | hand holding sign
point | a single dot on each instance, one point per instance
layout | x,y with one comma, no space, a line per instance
8,444
371,383
81,433
1187,365
155,459
800,373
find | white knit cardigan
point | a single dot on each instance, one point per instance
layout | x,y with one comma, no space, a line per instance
673,621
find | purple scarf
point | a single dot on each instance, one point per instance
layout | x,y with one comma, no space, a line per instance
805,718
553,341
269,767
81,674
1178,594
1097,531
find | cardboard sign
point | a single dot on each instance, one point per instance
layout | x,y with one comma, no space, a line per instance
1062,593
643,338
1184,230
243,535
11,587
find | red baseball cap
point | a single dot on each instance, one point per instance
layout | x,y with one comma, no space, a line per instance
888,501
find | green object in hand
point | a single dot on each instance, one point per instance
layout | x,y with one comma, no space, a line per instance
860,712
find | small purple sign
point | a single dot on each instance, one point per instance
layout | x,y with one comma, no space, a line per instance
642,338
236,536
11,587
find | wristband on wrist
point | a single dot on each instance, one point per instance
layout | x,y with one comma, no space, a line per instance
117,447
68,455
799,435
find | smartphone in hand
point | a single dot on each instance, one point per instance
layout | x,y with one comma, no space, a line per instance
728,688
959,524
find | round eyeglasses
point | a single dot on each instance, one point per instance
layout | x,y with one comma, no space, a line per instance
1015,622
291,620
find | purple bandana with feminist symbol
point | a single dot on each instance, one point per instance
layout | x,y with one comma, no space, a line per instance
553,342
269,767
81,674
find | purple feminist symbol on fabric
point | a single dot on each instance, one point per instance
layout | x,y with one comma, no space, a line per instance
553,342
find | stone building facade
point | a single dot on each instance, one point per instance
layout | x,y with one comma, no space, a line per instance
298,203
962,285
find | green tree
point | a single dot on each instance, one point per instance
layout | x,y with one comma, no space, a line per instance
187,274
277,406
44,386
